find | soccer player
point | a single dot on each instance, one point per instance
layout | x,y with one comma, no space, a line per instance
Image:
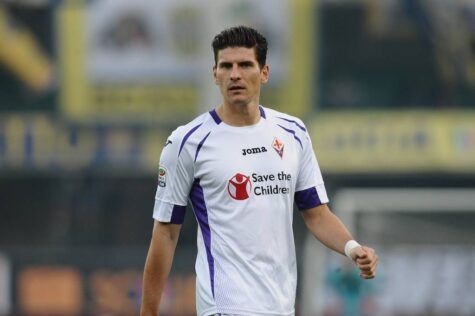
242,166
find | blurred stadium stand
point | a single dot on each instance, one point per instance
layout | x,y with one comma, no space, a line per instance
89,91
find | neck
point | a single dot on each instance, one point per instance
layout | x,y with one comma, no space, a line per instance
239,115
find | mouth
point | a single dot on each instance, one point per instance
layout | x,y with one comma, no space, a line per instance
236,88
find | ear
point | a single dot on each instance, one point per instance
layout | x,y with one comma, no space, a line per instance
265,74
214,75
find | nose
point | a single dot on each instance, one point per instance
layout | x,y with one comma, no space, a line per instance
235,74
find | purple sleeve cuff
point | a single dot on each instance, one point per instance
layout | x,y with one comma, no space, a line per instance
178,214
307,199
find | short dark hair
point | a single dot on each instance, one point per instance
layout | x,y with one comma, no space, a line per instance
241,36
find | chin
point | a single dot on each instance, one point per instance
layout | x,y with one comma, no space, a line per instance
239,102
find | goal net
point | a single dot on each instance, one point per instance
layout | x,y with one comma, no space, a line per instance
425,242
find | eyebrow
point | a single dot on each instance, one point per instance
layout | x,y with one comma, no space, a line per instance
240,63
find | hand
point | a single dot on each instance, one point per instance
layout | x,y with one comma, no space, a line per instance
366,260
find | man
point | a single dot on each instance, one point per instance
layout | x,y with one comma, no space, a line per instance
242,166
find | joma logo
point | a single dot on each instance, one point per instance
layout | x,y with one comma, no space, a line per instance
254,150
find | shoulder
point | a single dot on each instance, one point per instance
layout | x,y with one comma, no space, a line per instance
286,120
189,137
290,124
195,127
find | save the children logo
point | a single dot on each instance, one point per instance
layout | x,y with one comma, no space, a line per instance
239,186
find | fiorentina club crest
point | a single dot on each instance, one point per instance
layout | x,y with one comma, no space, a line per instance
278,146
239,186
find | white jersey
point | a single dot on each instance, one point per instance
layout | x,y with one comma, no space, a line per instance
241,183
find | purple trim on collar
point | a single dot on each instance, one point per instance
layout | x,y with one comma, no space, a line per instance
263,113
215,116
217,120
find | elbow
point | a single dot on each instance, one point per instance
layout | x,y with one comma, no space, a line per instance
166,231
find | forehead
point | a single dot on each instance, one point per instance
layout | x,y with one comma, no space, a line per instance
235,54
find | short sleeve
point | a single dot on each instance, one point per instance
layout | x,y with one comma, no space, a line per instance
175,176
310,189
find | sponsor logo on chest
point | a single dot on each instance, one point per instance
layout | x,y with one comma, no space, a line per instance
253,150
276,144
242,186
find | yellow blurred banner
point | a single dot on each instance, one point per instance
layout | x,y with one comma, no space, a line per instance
22,55
359,142
344,142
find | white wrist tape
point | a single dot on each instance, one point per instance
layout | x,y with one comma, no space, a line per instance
350,245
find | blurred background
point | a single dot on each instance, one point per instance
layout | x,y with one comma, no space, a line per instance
89,91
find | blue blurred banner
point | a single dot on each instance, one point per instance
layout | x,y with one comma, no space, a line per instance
44,143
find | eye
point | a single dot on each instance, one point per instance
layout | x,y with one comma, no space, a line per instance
246,64
225,65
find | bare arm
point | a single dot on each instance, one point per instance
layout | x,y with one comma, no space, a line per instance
327,228
331,232
158,265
